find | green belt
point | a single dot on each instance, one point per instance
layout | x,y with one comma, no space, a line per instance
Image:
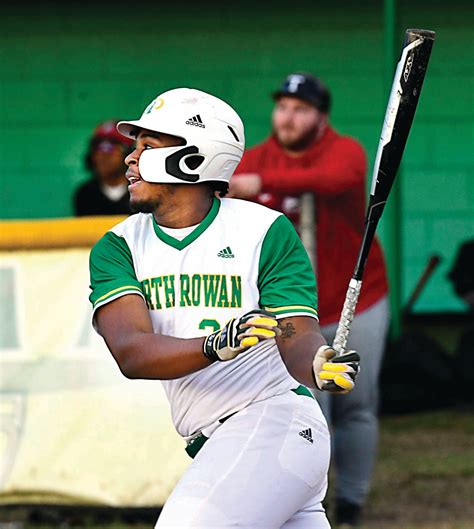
196,443
303,390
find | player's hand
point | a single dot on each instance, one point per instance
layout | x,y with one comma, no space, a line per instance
239,334
335,374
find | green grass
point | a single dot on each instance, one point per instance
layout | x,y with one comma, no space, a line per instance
424,478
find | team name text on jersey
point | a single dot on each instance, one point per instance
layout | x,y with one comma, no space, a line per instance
207,290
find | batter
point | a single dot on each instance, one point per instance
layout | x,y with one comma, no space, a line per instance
216,298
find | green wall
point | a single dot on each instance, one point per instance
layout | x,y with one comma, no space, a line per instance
437,181
66,68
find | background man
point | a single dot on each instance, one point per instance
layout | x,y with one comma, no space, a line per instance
304,153
106,192
165,282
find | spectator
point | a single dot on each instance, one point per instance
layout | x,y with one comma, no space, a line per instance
461,274
106,192
305,154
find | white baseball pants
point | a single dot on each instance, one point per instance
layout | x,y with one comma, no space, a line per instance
264,468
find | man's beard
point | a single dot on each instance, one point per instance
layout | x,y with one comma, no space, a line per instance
302,142
161,199
144,206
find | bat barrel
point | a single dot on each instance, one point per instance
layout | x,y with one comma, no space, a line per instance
403,99
415,33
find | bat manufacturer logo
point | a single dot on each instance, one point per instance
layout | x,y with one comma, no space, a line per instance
408,67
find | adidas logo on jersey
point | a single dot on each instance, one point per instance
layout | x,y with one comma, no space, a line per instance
226,252
196,121
307,435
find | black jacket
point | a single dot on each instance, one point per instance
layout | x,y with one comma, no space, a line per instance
90,200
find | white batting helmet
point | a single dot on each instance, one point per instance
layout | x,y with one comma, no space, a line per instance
212,130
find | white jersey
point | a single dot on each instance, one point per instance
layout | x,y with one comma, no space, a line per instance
241,257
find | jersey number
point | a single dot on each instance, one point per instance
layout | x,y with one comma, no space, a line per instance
213,324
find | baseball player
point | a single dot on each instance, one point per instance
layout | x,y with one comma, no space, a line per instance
216,298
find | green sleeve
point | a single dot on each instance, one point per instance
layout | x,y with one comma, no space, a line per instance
112,273
285,277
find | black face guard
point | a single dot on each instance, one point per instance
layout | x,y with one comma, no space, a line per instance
193,162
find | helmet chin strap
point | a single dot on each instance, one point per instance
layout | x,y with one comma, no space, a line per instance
166,165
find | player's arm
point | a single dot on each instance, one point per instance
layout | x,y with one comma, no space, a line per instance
121,317
310,361
126,327
288,290
300,338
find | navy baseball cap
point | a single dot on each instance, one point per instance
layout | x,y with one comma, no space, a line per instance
305,86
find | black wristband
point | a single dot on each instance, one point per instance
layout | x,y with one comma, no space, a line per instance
208,349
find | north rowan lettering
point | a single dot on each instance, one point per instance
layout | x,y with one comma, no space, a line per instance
206,290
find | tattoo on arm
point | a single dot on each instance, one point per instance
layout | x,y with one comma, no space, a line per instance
287,329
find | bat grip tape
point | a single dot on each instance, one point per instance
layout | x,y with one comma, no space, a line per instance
347,315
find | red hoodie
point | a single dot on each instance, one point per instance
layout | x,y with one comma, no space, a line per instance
334,169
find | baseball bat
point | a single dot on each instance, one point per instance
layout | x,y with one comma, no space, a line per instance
430,267
404,95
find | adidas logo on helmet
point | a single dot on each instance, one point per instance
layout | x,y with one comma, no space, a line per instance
196,121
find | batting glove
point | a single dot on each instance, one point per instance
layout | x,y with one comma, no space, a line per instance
335,375
239,334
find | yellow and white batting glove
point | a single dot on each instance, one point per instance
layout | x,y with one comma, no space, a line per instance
239,334
335,374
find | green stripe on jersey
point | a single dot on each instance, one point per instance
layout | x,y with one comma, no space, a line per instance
286,280
112,273
117,292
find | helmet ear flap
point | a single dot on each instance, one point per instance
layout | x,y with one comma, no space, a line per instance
172,164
